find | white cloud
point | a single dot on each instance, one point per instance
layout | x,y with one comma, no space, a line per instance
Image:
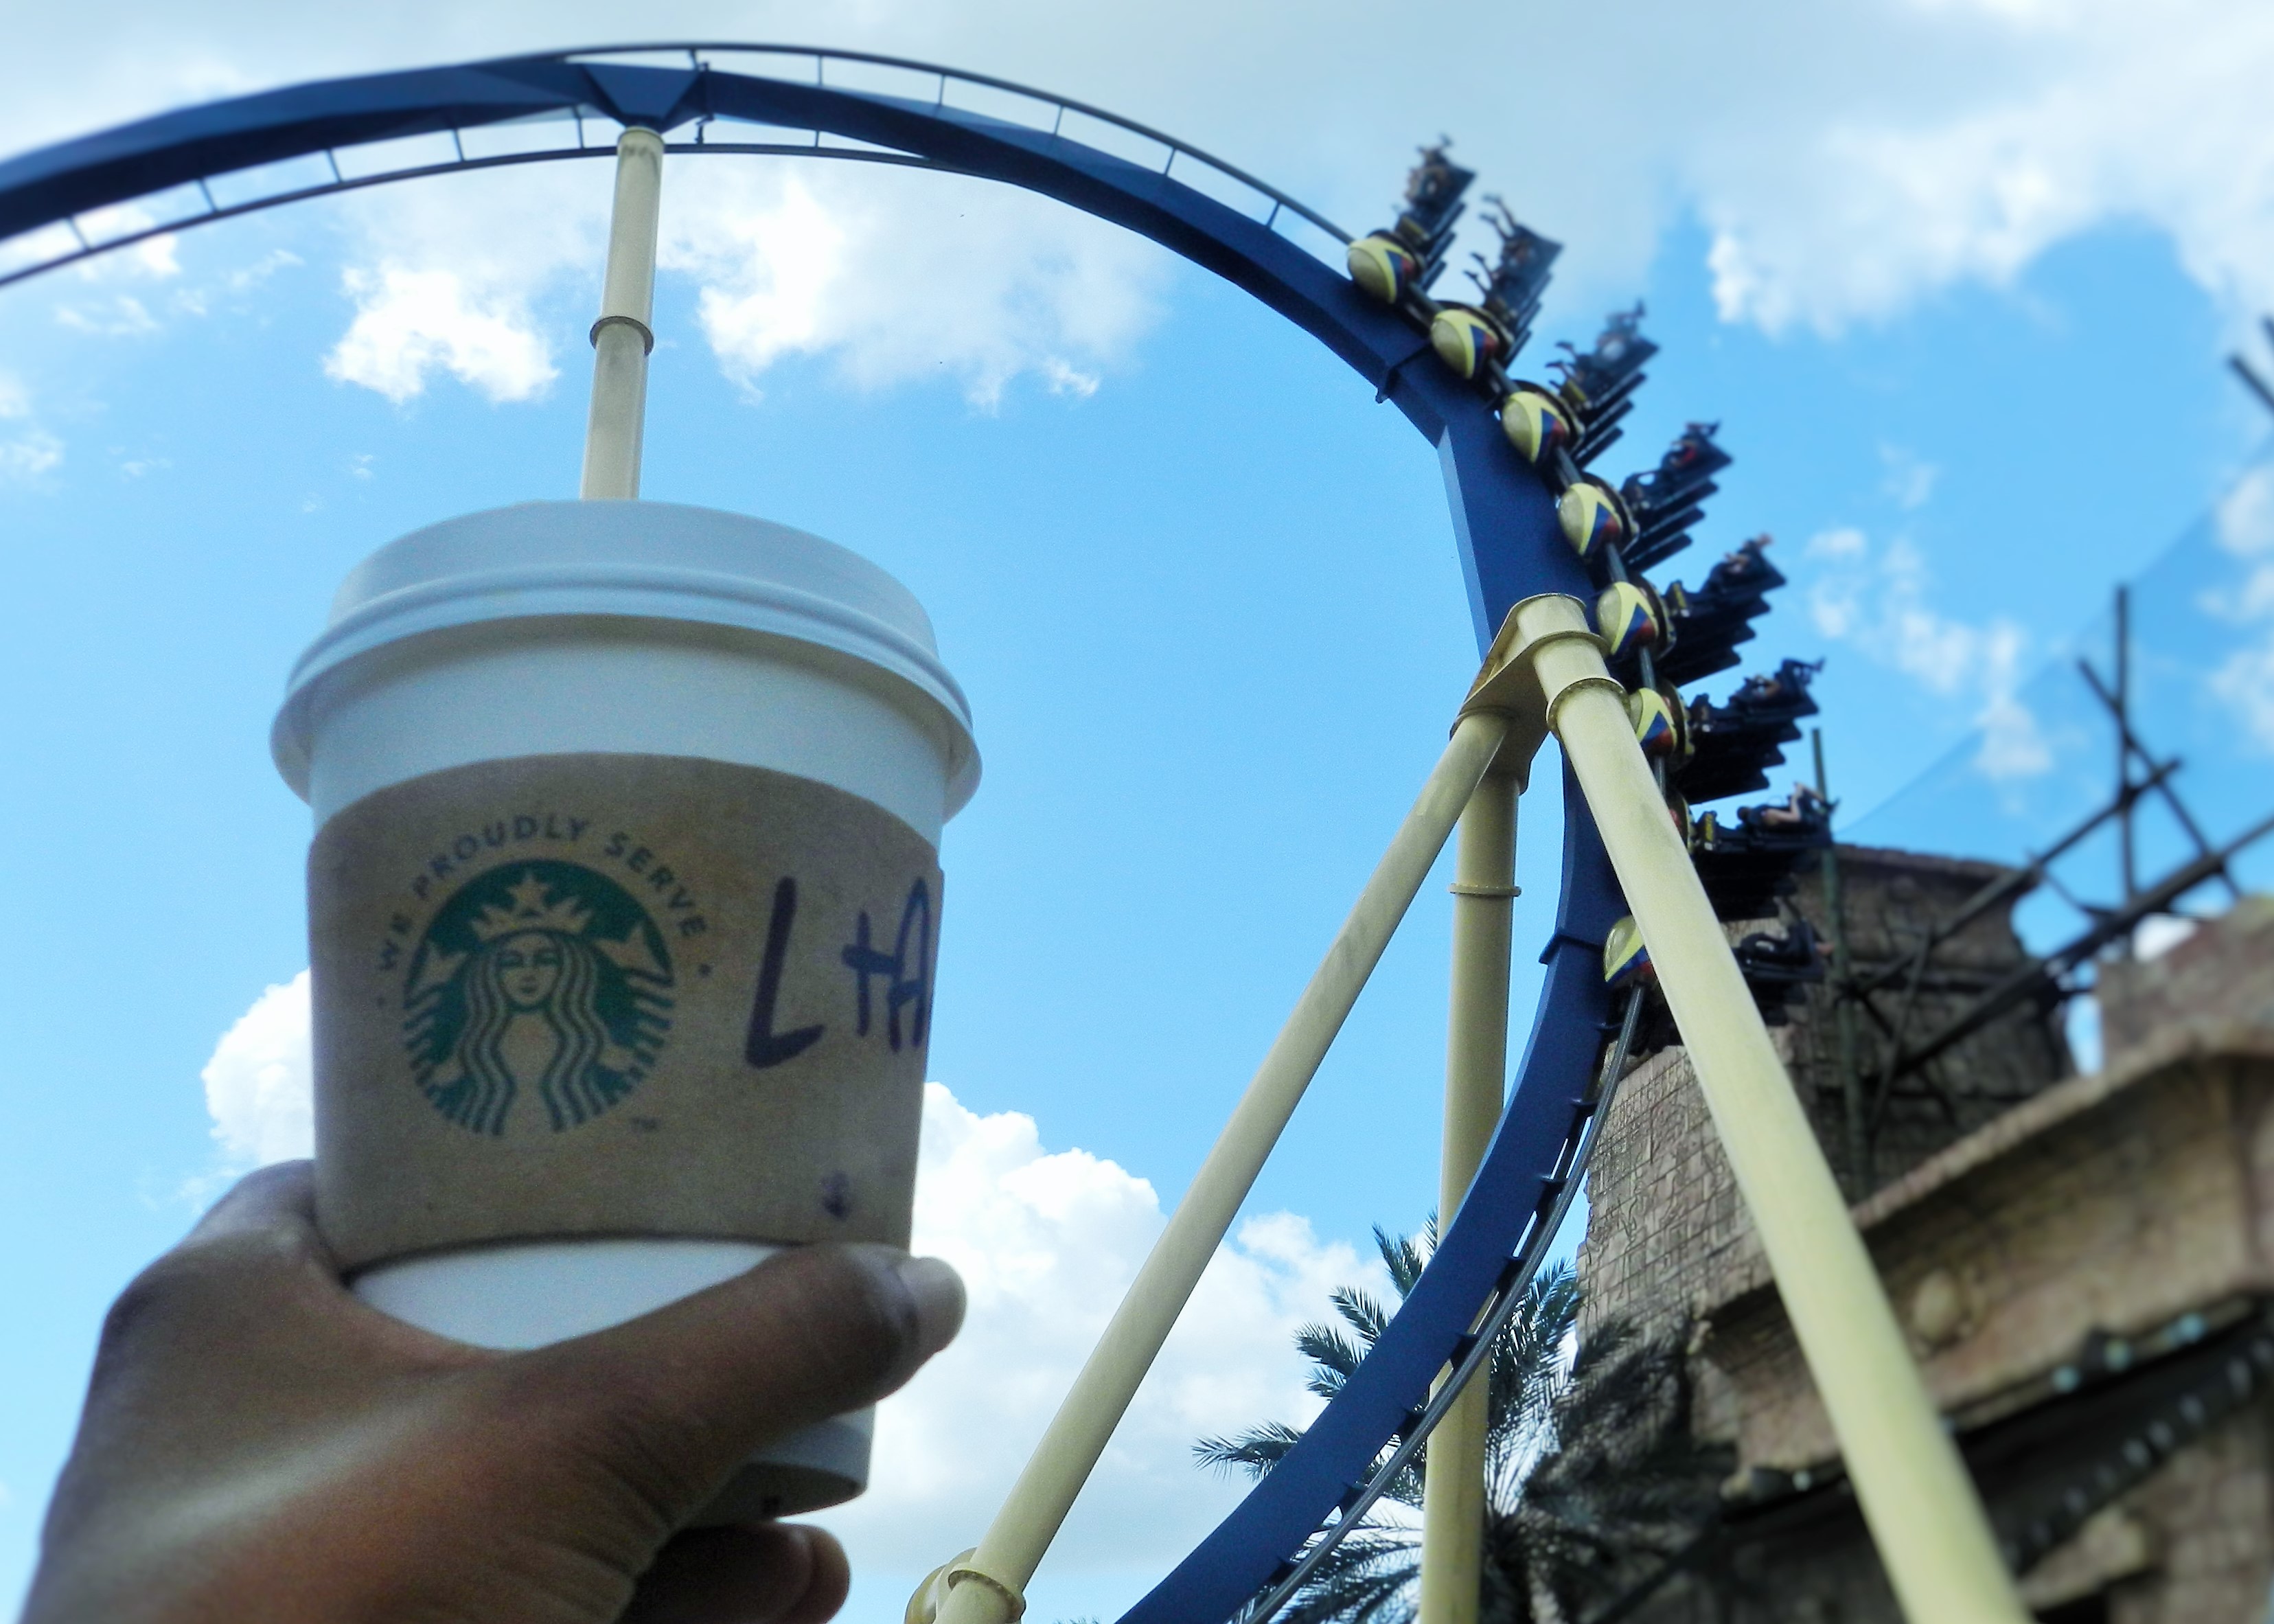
1846,161
1046,1242
2241,604
26,454
1844,541
154,259
890,276
445,277
26,450
1880,604
409,322
1985,139
900,276
244,278
1909,479
257,1082
2244,518
2244,681
2159,932
121,316
2012,744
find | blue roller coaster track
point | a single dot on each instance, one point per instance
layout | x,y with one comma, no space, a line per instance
62,203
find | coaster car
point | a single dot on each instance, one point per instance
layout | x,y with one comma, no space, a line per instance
1778,969
1746,863
1384,267
1512,284
1662,727
1630,618
1595,380
1669,499
1625,960
1806,815
1536,423
1598,384
1478,340
1434,188
1591,516
1710,622
1472,341
1404,260
1733,744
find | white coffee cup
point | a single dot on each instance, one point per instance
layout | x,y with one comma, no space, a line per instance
624,628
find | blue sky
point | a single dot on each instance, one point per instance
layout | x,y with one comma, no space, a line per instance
1199,588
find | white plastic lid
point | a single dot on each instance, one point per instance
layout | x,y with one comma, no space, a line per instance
647,560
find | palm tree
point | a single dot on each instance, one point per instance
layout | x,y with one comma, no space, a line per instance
1590,1475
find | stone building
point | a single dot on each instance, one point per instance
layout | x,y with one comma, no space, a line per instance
1664,1221
2085,1266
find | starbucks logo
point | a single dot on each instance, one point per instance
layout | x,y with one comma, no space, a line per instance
536,979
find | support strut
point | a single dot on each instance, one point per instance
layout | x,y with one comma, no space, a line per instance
987,1586
1922,1508
1476,1065
623,337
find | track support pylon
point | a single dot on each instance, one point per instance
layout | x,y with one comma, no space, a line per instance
1923,1512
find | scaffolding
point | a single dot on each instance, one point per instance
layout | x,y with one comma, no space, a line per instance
1887,1048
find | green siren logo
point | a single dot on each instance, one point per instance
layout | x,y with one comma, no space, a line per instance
536,977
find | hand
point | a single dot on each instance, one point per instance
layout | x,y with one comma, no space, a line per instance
259,1446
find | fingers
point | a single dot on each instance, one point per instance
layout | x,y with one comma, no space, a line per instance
281,1196
831,1580
668,1404
768,1572
259,1235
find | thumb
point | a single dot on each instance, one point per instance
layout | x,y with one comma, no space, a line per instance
667,1405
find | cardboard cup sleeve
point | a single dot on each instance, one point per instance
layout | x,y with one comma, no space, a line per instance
610,995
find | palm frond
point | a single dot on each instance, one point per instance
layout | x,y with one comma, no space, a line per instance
1365,1314
1255,1452
1591,1472
1624,1481
1527,1365
1404,1256
1369,1578
1334,1353
1333,1358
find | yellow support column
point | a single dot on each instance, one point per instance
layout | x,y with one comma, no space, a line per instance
623,337
1923,1512
1476,1066
986,1586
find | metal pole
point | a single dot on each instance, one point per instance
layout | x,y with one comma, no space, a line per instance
2123,747
1476,1065
987,1587
1843,1004
1923,1511
622,338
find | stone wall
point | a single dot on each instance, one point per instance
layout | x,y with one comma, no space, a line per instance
1665,1226
2222,971
1664,1219
2067,1254
2110,1206
2209,1521
2082,1282
1891,900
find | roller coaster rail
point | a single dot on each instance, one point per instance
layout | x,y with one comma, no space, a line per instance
76,244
